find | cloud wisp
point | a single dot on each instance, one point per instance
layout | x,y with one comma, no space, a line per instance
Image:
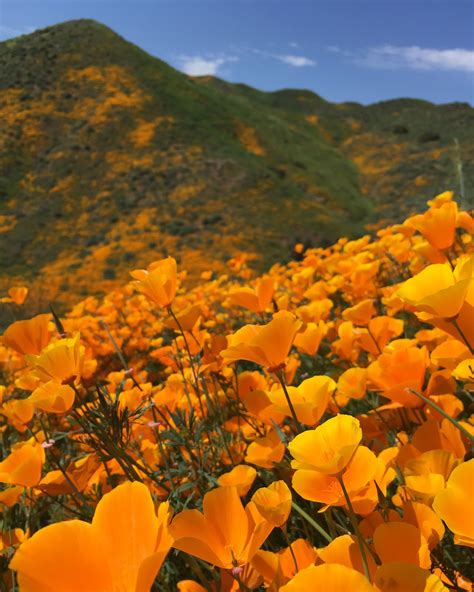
416,58
296,61
213,64
210,65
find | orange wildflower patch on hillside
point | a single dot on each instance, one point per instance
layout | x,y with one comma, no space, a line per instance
184,192
7,223
248,138
117,84
313,119
143,134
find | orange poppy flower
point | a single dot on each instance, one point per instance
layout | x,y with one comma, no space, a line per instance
344,346
462,327
267,345
344,550
362,277
328,448
185,319
465,221
423,517
16,294
259,405
371,521
401,542
225,534
437,225
304,553
19,412
79,474
399,370
310,399
325,488
11,538
329,577
309,340
366,499
464,371
258,299
241,477
53,397
248,576
426,475
30,336
454,504
278,568
438,290
158,282
10,496
274,502
23,465
122,549
440,199
449,353
448,304
61,361
361,313
191,586
352,383
431,436
380,330
315,311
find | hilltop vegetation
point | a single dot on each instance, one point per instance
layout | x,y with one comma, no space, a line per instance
110,157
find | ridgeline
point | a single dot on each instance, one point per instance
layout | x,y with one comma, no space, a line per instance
110,158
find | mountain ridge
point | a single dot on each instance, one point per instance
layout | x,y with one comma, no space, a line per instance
111,156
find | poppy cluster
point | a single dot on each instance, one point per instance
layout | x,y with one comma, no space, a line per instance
307,430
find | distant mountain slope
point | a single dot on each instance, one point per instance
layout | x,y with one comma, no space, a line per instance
108,155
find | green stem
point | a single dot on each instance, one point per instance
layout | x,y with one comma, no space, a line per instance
311,521
186,345
330,523
353,519
450,261
195,377
279,375
287,540
374,340
196,568
437,408
56,463
119,353
463,336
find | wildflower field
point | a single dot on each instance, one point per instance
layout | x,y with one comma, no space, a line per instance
307,430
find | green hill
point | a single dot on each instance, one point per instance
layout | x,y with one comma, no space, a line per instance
111,158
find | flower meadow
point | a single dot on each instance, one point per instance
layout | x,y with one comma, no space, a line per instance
307,430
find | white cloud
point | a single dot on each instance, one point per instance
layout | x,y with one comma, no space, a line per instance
339,50
417,58
296,61
293,44
204,66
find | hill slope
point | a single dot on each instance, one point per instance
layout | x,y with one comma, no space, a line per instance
109,155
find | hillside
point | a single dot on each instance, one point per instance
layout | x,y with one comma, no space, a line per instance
110,158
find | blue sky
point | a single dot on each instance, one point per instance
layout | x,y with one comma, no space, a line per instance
359,50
